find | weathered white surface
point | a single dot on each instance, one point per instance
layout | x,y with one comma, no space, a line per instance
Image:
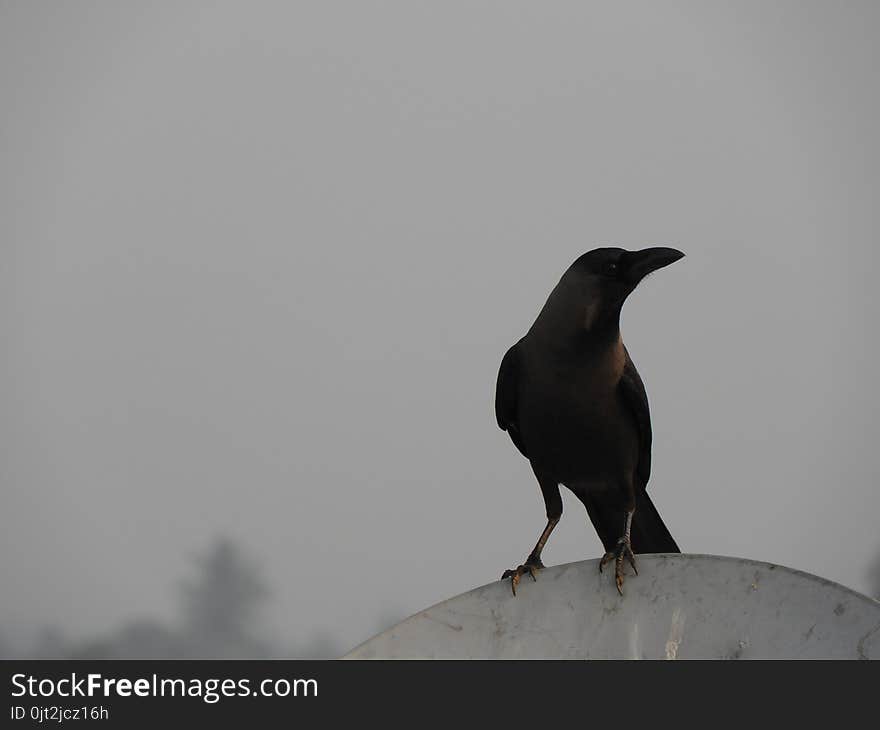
678,607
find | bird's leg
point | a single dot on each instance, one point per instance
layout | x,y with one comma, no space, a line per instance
622,550
533,562
553,503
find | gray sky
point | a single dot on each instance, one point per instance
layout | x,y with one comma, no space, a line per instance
260,263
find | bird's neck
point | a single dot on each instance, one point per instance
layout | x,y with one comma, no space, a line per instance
572,321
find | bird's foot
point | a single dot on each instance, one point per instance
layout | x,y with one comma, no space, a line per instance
622,550
530,567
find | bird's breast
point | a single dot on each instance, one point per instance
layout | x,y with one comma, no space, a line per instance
572,421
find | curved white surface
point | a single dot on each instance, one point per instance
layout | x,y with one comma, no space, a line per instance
678,607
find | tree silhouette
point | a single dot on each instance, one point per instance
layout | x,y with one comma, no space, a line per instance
221,606
219,619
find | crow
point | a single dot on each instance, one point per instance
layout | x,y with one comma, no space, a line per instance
573,403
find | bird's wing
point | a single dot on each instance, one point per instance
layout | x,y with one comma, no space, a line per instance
632,390
506,395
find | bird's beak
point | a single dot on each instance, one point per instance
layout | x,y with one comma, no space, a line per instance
641,263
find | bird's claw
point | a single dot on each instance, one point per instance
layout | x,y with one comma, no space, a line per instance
530,567
622,550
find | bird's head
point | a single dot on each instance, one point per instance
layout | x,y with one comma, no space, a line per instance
595,286
615,272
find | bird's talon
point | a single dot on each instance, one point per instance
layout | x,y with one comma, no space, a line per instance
516,574
632,561
621,551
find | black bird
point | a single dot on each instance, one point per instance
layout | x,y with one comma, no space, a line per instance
572,401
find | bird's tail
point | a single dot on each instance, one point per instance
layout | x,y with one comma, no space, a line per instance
649,534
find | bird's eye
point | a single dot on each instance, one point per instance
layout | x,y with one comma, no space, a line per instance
610,269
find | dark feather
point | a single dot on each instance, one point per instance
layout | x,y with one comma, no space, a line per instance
506,395
632,390
649,533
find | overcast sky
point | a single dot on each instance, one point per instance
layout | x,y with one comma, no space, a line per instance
260,263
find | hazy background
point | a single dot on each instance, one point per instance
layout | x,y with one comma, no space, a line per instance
260,263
